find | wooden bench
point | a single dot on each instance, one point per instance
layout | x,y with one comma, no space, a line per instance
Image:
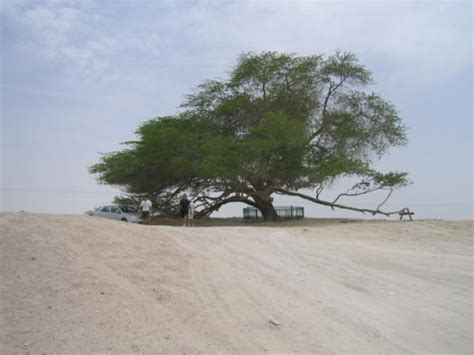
406,212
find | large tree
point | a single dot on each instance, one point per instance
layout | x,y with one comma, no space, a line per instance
279,124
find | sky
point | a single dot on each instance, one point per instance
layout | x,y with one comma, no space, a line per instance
79,77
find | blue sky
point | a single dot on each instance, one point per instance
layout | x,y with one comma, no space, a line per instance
78,78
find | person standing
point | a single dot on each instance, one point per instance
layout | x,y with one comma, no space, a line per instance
190,213
184,209
145,207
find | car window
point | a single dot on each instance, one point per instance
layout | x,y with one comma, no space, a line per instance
128,209
105,209
115,209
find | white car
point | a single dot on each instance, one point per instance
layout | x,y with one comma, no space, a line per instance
119,213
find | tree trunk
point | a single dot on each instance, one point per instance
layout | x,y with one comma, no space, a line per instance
265,206
268,212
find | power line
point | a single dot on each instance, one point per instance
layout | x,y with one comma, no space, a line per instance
58,191
395,204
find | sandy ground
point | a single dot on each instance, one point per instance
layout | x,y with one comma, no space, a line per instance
80,284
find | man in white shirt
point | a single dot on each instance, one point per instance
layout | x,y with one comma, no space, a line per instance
145,206
190,213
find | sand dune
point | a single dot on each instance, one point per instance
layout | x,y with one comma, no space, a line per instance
83,284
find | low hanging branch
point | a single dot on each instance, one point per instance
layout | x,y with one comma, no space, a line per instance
218,202
336,205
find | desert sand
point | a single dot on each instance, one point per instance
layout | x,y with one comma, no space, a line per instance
80,284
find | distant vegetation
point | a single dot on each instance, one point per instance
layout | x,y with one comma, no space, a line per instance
279,124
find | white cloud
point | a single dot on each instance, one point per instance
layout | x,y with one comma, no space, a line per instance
431,40
65,34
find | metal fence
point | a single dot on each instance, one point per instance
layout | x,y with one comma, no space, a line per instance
285,212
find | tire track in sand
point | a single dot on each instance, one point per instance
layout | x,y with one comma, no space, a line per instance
215,303
107,274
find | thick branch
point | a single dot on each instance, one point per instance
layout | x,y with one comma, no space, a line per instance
220,201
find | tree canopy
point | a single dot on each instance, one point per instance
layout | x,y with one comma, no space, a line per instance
279,124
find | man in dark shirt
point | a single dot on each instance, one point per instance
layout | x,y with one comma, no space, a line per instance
183,209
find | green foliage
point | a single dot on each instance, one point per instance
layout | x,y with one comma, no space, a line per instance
127,200
280,121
